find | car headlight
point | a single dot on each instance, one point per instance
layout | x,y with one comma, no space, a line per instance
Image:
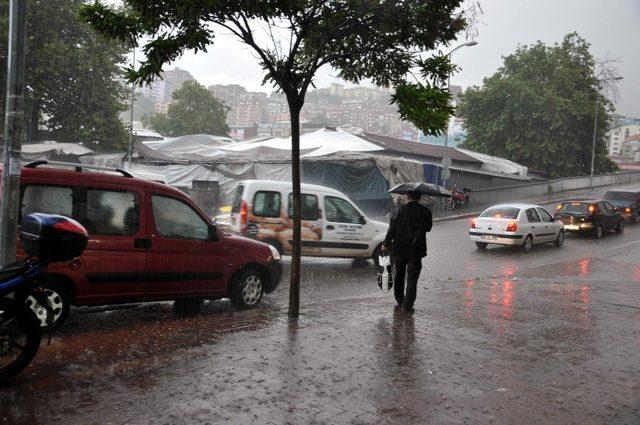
274,252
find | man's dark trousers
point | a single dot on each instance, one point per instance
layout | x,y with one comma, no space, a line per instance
409,265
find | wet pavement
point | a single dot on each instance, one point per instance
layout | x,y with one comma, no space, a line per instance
497,337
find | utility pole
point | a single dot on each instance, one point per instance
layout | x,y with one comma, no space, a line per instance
13,131
445,159
133,88
595,127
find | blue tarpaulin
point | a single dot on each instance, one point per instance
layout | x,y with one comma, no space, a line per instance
432,173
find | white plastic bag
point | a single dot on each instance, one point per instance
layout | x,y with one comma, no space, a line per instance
385,275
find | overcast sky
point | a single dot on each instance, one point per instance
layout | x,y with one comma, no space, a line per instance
612,27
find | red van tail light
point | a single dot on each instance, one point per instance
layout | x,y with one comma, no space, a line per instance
473,223
512,226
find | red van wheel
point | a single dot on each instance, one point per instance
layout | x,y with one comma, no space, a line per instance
59,299
247,289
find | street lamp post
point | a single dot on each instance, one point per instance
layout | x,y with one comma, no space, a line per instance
595,129
445,159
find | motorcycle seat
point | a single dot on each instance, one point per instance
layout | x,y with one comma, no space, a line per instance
13,270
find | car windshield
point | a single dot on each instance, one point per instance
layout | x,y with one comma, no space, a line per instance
574,208
501,212
620,196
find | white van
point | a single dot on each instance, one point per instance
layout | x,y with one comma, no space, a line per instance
332,225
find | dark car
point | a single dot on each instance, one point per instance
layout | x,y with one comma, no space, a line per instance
593,216
626,202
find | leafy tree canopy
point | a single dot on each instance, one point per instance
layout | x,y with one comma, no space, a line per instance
539,108
194,110
361,39
73,80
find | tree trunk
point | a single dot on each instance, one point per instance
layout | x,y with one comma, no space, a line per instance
294,288
33,121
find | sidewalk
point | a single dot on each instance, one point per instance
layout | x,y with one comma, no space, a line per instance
552,345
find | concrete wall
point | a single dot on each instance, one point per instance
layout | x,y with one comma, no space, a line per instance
510,193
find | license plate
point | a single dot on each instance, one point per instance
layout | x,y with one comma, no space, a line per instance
489,238
571,226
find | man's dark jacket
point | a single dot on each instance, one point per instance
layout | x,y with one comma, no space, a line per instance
407,230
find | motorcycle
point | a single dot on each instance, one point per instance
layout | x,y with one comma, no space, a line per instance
45,239
460,199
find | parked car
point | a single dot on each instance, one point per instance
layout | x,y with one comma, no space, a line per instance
147,242
593,216
522,225
626,202
332,225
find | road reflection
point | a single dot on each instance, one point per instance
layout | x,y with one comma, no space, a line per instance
404,386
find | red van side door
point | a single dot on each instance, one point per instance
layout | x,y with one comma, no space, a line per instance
111,267
183,259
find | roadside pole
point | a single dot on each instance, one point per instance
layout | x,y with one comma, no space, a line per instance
13,131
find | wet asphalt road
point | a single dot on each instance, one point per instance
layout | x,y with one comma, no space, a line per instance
497,337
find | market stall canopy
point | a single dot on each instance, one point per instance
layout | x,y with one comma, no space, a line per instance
49,150
496,164
321,142
59,148
193,144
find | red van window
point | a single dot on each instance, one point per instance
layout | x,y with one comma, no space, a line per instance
111,213
175,219
48,200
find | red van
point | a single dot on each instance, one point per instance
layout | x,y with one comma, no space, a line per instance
147,242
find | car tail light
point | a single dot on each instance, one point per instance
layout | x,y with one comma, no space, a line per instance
593,209
512,226
473,223
243,216
628,210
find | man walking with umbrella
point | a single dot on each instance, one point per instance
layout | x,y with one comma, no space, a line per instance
407,239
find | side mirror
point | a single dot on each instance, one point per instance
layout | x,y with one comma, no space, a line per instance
363,220
214,236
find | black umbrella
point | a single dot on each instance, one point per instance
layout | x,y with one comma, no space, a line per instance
421,187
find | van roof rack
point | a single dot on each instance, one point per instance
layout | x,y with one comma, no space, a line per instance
78,167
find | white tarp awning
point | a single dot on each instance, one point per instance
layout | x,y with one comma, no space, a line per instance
318,143
194,144
497,164
59,148
322,142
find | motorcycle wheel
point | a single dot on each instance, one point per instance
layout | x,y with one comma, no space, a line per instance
449,204
20,336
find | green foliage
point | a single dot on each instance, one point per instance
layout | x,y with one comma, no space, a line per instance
538,110
73,81
426,104
361,39
194,110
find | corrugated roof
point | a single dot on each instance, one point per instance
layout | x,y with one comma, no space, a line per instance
414,148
